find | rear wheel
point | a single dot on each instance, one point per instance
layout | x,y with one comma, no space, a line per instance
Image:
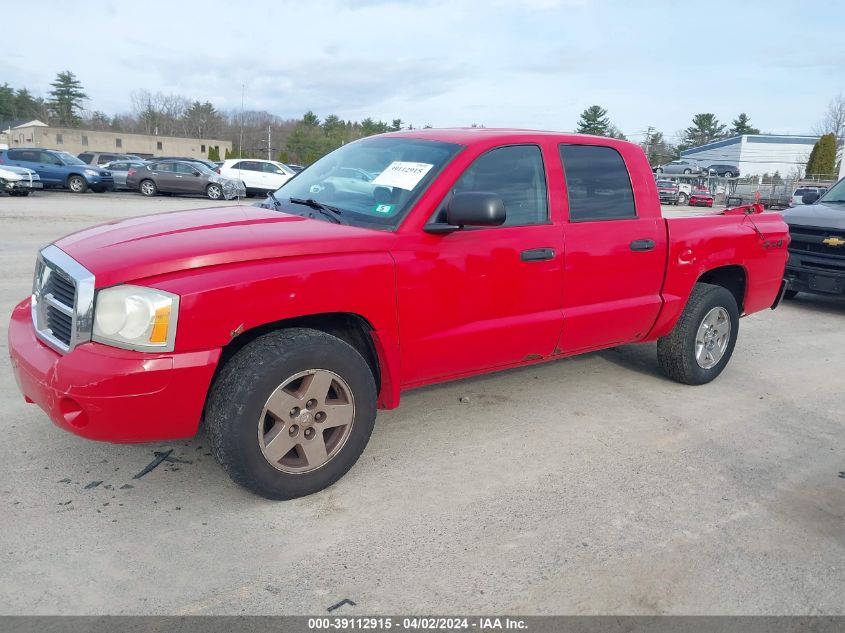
148,188
688,171
291,412
729,174
214,191
700,345
77,184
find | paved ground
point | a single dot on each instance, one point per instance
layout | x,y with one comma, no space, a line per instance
589,485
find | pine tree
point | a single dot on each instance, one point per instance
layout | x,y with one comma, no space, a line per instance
704,129
742,125
66,99
594,121
214,152
822,160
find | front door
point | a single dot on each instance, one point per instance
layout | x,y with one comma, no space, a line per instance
615,259
481,298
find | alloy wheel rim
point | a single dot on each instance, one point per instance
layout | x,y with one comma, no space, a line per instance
213,192
306,421
712,338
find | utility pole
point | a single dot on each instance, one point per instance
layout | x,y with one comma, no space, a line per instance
269,133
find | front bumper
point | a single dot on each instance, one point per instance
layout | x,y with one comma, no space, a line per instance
23,185
108,394
815,280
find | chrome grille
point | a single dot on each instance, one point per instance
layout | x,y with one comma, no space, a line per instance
62,300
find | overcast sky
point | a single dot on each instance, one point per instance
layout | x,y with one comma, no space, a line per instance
521,63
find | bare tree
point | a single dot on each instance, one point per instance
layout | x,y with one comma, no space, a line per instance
833,120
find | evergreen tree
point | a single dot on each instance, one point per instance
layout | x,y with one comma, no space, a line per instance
742,125
594,121
822,160
704,129
214,152
66,99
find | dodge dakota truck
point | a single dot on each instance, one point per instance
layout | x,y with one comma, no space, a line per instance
282,328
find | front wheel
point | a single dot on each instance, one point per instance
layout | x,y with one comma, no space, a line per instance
77,184
700,345
214,191
291,412
19,194
728,174
683,198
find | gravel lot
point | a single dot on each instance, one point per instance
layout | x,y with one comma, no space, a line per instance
587,485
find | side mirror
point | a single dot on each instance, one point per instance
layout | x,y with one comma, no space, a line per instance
196,173
475,208
810,198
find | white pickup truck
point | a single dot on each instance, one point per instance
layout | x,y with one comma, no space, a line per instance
19,181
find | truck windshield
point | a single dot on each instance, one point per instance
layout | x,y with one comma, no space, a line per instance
372,182
836,194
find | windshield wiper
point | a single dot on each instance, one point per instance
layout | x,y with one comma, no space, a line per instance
276,202
333,213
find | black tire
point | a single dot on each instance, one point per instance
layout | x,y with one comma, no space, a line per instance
659,170
99,190
77,184
147,187
19,194
683,199
214,191
728,174
790,294
239,393
688,171
676,351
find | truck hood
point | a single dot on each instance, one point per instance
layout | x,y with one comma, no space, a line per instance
828,216
147,246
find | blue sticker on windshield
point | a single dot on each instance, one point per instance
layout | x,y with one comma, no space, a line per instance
384,208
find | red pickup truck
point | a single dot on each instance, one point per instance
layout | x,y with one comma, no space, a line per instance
396,261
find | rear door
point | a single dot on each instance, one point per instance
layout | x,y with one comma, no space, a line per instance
615,253
164,175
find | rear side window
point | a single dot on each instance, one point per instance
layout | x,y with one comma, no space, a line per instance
516,174
598,183
25,155
86,158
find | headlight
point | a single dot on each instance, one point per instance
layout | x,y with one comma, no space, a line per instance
91,172
133,317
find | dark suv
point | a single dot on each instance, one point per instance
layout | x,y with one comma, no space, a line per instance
59,169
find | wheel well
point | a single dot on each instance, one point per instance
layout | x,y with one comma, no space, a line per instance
732,278
348,327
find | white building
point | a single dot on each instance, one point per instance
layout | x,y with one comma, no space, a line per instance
757,154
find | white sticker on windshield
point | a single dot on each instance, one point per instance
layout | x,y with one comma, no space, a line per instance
403,175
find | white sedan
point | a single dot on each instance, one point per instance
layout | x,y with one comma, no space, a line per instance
19,181
259,176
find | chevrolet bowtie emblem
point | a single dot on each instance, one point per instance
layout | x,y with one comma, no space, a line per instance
833,241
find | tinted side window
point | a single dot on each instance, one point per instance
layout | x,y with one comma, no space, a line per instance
598,183
119,166
182,168
50,159
25,155
162,167
516,175
86,158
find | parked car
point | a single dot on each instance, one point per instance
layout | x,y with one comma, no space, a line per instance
798,194
184,177
59,169
701,198
726,171
817,248
102,158
19,181
678,167
349,180
259,176
120,171
285,328
668,192
295,168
